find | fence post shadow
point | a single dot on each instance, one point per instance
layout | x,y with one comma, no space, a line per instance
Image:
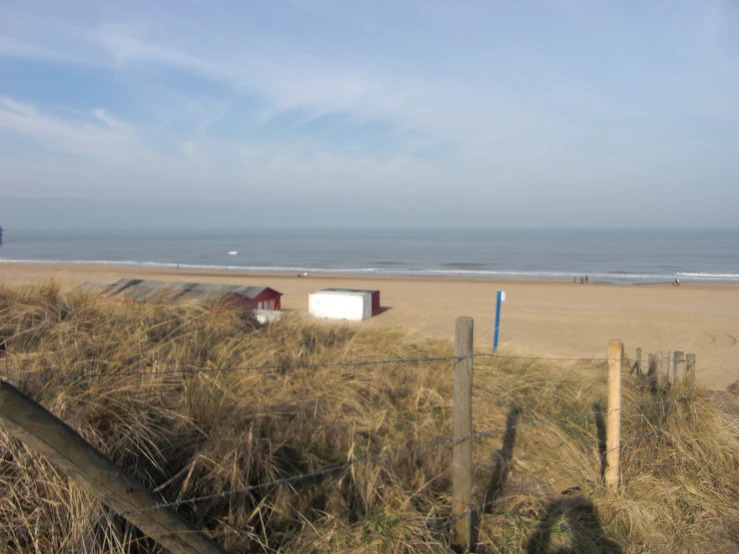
653,376
600,425
503,458
586,532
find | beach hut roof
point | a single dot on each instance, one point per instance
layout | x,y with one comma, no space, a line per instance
348,290
146,290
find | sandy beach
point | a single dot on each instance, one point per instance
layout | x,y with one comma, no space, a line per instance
540,318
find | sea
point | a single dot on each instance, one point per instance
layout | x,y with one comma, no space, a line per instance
609,256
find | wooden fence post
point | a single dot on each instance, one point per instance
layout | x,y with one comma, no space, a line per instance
28,421
613,429
637,364
462,451
671,367
680,368
690,371
661,368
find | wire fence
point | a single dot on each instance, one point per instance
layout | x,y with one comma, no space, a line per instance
308,476
340,468
322,473
539,482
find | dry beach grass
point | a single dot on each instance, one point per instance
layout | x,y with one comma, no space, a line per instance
129,379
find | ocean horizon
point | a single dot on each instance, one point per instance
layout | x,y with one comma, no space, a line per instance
609,256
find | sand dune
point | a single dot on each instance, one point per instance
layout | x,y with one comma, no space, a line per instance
548,318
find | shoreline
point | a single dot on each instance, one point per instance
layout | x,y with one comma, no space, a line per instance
541,317
359,274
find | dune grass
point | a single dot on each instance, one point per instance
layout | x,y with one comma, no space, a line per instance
129,378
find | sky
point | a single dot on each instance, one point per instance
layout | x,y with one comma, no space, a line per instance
477,113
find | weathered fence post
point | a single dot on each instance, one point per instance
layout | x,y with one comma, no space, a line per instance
671,367
28,421
637,364
613,429
690,371
661,368
680,368
462,451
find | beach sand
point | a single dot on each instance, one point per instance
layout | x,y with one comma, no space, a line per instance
539,318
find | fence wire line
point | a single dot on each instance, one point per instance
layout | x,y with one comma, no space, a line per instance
271,367
327,471
548,358
288,367
225,494
492,432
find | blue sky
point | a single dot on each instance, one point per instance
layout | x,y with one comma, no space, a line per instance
537,113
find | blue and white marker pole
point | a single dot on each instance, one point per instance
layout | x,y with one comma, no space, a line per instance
501,299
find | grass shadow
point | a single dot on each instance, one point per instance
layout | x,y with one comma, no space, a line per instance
584,527
600,425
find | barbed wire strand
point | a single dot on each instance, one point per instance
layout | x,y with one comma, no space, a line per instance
269,367
315,475
286,367
244,490
492,432
546,358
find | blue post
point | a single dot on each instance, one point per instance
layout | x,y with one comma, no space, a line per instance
497,321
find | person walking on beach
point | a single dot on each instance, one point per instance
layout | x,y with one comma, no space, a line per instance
586,279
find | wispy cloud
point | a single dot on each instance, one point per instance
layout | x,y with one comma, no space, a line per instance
399,96
112,142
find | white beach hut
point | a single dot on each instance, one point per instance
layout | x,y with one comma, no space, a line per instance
351,305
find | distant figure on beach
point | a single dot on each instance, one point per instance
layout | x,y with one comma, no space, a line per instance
574,280
676,282
586,279
582,280
300,276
